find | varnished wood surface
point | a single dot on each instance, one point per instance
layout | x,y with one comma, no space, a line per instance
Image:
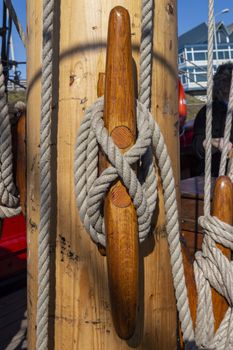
191,209
119,211
223,209
19,158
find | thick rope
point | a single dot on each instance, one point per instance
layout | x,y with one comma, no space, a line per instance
146,170
45,179
16,21
90,189
8,197
211,268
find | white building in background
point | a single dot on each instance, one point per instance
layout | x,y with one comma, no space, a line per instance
192,55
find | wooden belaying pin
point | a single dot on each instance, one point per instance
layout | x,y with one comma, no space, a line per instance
222,208
19,155
120,214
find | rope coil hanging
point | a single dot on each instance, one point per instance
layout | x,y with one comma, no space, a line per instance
8,196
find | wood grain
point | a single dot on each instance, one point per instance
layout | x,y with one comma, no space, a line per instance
34,14
222,208
119,211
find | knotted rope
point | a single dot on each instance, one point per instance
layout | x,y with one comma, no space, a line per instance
90,189
45,178
211,267
8,195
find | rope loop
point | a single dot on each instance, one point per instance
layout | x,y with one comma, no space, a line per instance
213,269
9,198
91,189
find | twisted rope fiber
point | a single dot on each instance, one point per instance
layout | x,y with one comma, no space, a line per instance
211,267
146,171
45,179
90,190
207,185
164,163
9,200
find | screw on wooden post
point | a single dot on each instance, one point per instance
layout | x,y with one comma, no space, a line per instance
120,214
222,208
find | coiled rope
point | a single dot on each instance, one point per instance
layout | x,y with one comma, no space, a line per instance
8,195
45,178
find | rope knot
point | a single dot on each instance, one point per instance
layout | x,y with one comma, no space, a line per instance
213,269
91,188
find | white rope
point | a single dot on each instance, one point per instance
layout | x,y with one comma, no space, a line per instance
45,179
208,137
90,189
8,197
212,269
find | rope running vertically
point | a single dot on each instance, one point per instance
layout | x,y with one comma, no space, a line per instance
45,178
207,186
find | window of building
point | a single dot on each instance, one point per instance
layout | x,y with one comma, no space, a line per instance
199,47
184,81
201,78
199,56
226,55
189,56
181,58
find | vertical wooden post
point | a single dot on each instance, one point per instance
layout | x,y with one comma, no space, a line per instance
34,21
82,317
165,110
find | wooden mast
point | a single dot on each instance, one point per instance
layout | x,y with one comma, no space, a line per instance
80,309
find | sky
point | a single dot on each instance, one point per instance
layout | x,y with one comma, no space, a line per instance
194,12
20,52
190,14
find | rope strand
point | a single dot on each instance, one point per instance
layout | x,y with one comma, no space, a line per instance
45,179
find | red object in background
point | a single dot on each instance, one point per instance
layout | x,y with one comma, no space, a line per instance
13,247
186,129
182,105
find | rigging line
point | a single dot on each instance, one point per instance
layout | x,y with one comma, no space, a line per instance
16,21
